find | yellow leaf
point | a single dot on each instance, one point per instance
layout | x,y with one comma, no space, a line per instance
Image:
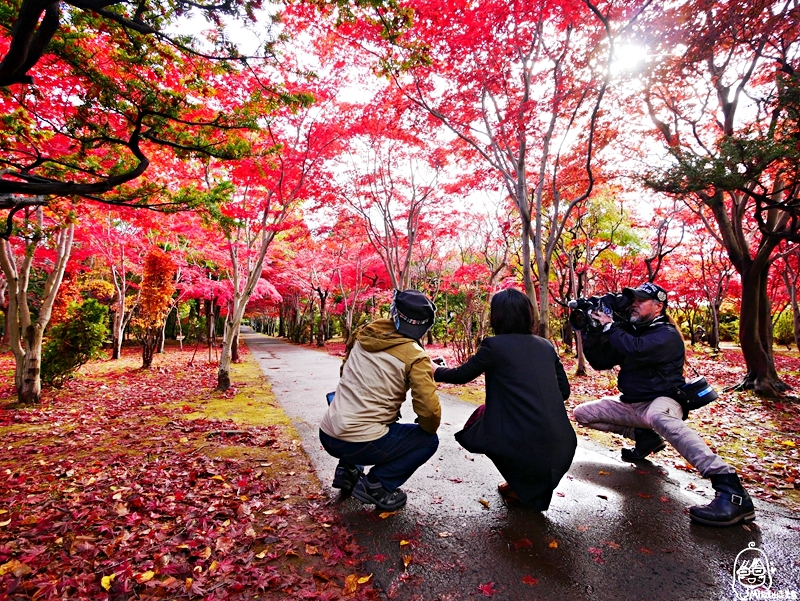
106,581
403,543
788,443
145,577
311,550
183,439
15,567
364,579
218,477
215,564
261,555
206,553
384,514
484,502
603,473
553,544
350,585
6,523
2,511
406,560
293,553
189,583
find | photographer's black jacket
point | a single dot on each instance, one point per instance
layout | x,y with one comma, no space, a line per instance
650,357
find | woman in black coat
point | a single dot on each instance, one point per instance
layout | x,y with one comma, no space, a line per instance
524,428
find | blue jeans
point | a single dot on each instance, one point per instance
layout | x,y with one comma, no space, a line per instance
395,455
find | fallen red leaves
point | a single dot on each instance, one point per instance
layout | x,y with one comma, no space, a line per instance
110,493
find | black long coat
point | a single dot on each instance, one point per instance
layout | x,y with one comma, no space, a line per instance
525,429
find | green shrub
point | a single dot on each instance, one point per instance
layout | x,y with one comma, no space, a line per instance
783,330
75,342
729,325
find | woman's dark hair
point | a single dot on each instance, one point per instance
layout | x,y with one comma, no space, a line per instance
512,313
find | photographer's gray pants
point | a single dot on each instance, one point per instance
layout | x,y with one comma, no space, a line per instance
664,415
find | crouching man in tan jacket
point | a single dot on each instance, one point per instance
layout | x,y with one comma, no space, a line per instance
384,360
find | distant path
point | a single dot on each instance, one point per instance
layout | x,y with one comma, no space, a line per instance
614,532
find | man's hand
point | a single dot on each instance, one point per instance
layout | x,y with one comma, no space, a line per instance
603,318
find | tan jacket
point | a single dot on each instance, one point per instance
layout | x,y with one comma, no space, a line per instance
380,368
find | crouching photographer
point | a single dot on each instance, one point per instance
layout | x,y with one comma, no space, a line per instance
650,352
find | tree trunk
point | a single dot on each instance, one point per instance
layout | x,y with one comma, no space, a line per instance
713,335
149,343
791,288
229,337
580,369
25,335
527,278
323,316
235,358
30,389
281,321
4,338
567,335
118,325
755,337
116,336
544,301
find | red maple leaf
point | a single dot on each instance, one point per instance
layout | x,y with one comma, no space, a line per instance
487,589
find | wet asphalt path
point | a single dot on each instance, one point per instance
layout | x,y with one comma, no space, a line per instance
613,531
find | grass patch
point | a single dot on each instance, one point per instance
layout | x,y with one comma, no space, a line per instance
475,394
249,402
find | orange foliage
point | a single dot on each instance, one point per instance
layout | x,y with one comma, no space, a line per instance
68,293
158,286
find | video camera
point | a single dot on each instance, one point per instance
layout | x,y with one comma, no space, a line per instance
615,305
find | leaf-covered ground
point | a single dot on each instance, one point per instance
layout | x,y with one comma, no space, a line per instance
760,438
131,484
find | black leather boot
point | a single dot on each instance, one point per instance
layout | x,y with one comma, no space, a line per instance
730,506
647,441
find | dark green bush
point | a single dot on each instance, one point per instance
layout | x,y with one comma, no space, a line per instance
75,342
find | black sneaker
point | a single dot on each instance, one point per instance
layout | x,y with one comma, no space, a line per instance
346,477
375,494
647,441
